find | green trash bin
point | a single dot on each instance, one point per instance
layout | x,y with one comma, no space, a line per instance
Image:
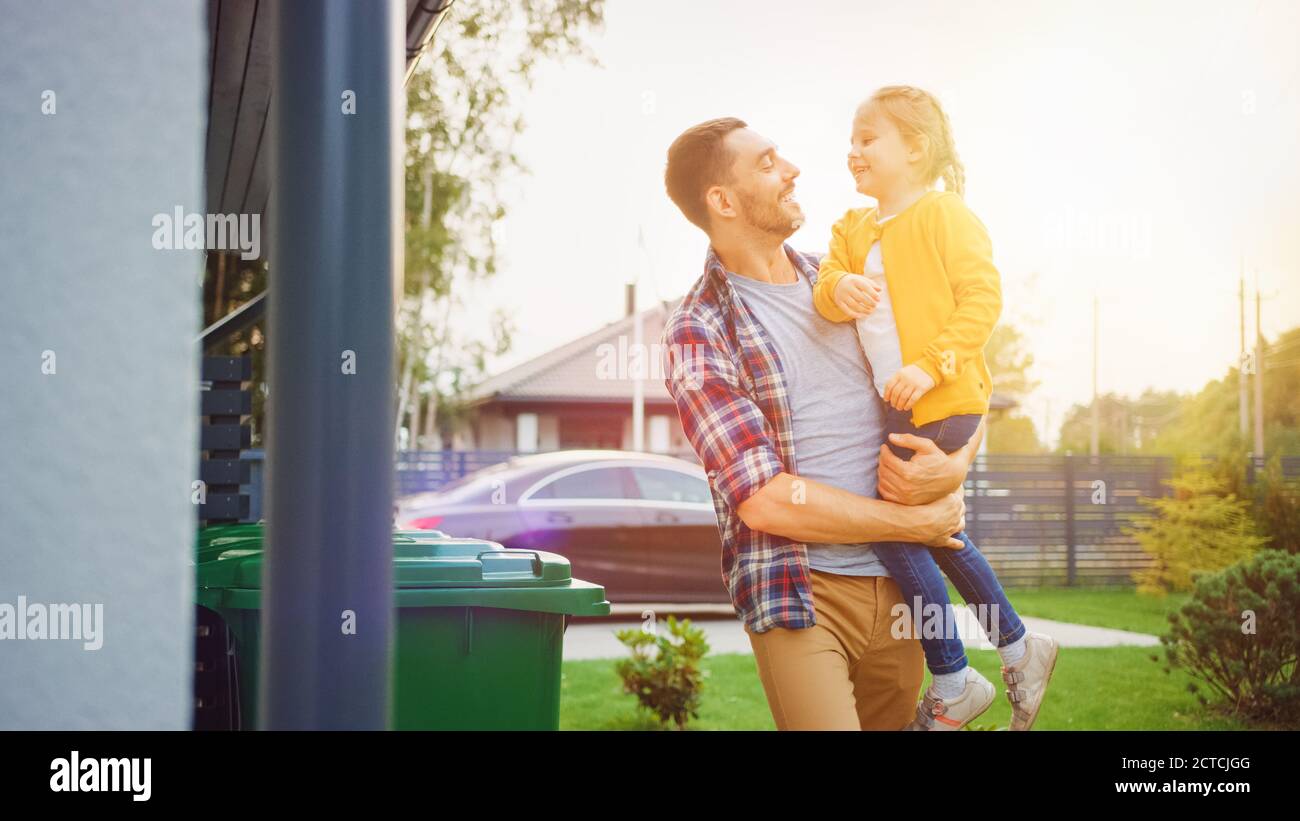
479,628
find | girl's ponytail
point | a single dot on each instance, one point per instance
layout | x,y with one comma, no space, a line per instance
954,173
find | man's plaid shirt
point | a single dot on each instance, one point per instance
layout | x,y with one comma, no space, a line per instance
724,374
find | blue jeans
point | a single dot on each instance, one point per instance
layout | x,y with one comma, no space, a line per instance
916,569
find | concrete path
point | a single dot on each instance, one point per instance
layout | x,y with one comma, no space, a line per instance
595,640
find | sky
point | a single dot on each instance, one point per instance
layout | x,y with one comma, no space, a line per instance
1139,153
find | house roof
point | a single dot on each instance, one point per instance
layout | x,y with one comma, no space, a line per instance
592,368
595,367
237,168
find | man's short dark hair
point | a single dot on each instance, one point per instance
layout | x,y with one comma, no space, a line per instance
698,160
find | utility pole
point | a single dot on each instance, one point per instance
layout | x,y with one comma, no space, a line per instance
1095,446
1259,376
1243,415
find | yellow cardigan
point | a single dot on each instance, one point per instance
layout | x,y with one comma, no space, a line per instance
944,288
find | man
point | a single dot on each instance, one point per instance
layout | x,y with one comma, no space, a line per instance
779,406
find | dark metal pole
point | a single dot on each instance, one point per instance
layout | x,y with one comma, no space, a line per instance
336,261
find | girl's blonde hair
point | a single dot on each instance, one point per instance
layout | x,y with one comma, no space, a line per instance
916,112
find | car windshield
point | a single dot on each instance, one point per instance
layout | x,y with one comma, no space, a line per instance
471,483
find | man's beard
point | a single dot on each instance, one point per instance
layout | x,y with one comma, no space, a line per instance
767,217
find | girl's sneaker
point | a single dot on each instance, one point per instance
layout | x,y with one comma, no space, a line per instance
934,713
1028,678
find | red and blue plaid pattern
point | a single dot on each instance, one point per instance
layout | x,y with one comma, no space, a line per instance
725,376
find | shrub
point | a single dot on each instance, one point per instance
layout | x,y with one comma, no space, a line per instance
1200,528
1239,635
667,683
1277,507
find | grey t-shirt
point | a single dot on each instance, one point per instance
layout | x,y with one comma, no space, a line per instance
837,417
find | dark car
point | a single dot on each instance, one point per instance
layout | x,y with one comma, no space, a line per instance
640,524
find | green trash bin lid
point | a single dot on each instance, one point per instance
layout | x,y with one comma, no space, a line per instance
430,569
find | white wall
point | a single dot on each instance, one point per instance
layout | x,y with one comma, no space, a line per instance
96,459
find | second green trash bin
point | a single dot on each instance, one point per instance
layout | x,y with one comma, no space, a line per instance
479,629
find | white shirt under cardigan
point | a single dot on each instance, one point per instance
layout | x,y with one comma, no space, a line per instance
877,332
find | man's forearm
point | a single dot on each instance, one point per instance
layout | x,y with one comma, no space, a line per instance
810,511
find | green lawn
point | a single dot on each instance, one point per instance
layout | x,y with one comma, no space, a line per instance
1108,688
1121,609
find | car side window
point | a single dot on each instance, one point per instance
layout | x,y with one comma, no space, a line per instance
599,483
657,484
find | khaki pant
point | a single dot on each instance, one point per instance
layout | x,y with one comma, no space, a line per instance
846,672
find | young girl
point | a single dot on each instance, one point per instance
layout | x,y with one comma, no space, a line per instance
916,273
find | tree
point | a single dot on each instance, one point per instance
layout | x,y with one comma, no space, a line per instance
462,120
1012,433
1125,425
1010,360
1200,528
1277,507
1208,422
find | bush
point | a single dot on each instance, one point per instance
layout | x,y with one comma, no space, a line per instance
1239,634
1202,527
1277,507
668,683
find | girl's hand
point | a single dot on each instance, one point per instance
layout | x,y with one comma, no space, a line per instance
856,295
906,386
